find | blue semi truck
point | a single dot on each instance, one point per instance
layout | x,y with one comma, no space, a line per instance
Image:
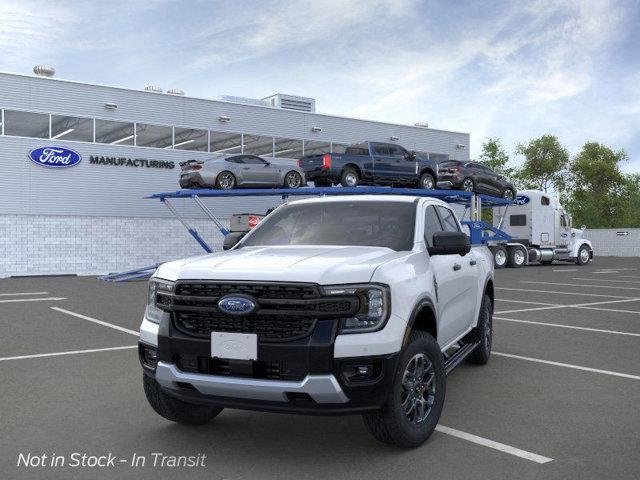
371,163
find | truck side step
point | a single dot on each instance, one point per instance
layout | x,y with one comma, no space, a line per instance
458,356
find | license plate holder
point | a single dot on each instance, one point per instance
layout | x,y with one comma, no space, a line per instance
234,346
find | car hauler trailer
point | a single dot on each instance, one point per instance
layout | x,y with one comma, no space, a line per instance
538,230
478,233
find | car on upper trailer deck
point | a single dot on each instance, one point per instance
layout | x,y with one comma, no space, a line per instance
474,177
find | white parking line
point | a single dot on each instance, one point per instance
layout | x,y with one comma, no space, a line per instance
523,301
71,352
604,280
579,285
566,269
485,442
577,305
95,320
23,293
567,365
45,299
573,327
563,293
616,310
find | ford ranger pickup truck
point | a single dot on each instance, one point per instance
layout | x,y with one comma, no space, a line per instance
371,163
334,305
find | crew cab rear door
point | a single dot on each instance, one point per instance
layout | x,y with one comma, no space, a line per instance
455,277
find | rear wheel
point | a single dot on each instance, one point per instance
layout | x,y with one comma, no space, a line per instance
483,333
468,185
292,179
499,256
349,178
174,409
225,180
517,257
415,401
427,182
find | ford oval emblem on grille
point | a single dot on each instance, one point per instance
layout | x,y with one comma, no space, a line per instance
236,305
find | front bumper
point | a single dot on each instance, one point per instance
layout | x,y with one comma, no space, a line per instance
300,376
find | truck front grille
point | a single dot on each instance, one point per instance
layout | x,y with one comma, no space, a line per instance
269,328
285,311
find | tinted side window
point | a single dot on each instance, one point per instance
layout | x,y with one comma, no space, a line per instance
544,200
449,222
235,159
250,159
396,151
431,225
517,220
381,149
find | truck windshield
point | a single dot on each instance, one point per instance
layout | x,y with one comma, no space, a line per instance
348,223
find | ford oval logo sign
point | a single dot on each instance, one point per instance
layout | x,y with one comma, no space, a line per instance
236,305
55,157
521,200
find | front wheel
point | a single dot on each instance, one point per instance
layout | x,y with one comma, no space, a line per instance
414,403
427,182
174,409
584,255
292,180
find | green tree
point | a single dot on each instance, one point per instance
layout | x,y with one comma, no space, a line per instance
599,193
631,201
545,165
495,157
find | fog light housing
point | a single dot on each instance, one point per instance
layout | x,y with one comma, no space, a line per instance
356,373
149,356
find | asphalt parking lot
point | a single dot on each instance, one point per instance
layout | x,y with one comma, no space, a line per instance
559,398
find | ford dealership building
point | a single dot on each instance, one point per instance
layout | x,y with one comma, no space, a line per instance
77,161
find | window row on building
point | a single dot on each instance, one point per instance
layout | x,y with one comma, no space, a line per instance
94,130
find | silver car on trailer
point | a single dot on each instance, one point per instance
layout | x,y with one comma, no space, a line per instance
241,170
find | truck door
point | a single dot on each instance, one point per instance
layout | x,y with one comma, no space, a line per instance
454,276
563,233
382,161
404,165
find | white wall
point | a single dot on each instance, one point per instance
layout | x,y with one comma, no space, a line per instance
607,242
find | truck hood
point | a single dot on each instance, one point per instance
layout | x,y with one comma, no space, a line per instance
325,265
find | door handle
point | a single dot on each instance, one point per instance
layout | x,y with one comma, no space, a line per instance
246,168
456,267
472,262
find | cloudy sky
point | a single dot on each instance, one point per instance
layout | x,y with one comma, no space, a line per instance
515,69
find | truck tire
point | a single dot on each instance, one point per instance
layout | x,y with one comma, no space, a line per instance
499,256
174,409
584,255
517,257
483,333
427,182
349,177
414,403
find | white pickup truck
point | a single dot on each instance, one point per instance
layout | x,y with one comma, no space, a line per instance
334,305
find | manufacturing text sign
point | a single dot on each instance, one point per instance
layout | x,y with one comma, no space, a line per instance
55,157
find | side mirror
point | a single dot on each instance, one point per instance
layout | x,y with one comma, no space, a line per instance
410,156
232,239
450,243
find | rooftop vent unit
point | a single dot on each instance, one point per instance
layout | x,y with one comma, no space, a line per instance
44,71
422,124
292,102
244,100
175,91
153,88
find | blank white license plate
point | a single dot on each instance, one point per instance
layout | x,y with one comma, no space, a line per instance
234,346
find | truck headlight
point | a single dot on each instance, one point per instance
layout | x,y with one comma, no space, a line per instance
375,305
153,312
